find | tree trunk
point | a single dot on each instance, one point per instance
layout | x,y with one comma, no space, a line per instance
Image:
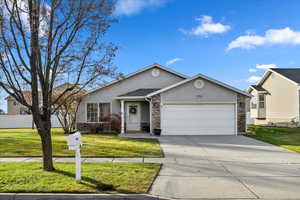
45,135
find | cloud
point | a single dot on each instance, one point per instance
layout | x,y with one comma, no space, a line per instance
271,36
174,60
253,79
206,27
132,7
268,66
252,70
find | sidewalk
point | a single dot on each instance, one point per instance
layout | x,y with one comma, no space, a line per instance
100,160
57,196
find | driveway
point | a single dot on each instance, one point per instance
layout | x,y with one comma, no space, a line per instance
226,167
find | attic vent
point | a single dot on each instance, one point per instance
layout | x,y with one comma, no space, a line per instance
155,72
199,84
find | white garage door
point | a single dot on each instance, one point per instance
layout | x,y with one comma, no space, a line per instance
214,119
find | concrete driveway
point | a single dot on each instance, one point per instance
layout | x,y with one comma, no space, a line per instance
226,167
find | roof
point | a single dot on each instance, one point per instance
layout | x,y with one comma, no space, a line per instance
56,91
140,71
27,96
290,73
140,92
258,88
203,77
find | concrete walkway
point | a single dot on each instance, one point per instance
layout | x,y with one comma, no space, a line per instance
72,159
226,167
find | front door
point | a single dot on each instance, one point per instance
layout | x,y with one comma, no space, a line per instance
133,116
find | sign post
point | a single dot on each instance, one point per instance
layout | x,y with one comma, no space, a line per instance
75,143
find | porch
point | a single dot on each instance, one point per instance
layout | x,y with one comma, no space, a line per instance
136,112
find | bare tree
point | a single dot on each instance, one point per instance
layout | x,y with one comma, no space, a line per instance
44,42
66,113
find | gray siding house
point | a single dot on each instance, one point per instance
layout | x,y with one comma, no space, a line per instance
157,97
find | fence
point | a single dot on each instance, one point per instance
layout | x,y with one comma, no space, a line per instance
22,121
249,120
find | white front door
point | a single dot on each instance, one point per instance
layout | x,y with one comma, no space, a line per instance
133,116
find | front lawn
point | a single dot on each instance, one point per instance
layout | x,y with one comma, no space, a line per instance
26,142
96,178
288,138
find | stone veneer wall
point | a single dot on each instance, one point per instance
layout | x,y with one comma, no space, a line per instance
241,113
156,112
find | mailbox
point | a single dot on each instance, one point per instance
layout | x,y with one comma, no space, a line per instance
74,141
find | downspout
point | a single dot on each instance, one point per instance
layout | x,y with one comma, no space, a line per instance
150,112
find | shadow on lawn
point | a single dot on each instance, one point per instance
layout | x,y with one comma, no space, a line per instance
92,183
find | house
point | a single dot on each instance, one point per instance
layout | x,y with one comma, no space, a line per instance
15,108
157,97
276,98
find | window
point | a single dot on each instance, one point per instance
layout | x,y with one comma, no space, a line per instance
25,111
253,105
92,112
261,100
104,111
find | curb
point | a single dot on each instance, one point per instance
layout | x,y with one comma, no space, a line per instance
62,196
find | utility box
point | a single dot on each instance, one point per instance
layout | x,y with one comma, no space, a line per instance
74,141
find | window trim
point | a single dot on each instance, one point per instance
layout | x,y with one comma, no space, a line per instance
261,101
98,110
86,112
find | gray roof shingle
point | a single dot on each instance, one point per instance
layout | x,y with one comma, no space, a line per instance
290,73
139,92
258,88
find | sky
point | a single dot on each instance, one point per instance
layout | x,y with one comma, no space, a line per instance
233,41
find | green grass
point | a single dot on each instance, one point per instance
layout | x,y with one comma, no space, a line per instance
288,138
96,178
26,142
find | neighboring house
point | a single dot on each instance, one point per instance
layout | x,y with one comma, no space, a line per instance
276,97
156,97
15,108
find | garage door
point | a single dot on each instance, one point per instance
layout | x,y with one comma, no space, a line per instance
214,119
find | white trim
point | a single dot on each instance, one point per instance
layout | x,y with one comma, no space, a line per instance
131,97
253,88
150,113
137,72
268,73
236,117
98,109
195,77
285,77
86,104
122,117
196,103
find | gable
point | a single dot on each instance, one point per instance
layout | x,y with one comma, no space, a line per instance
188,93
143,79
273,80
282,99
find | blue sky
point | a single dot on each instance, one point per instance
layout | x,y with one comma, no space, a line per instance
229,40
